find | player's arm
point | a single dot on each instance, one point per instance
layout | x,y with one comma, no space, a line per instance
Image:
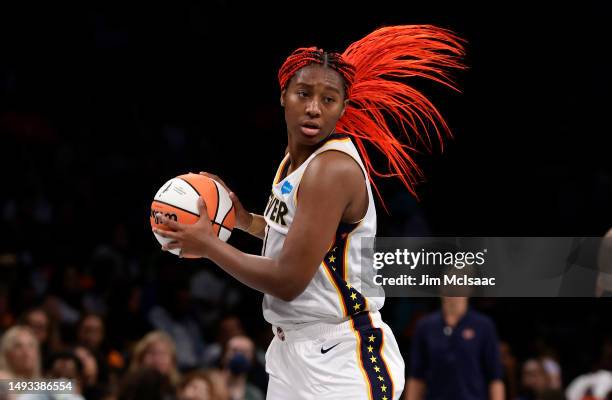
329,185
245,221
257,226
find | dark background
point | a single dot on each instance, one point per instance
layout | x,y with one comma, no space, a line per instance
101,103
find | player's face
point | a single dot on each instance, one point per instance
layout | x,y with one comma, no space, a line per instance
314,101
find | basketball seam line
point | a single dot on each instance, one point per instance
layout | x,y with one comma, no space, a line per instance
175,206
226,214
218,201
196,190
221,225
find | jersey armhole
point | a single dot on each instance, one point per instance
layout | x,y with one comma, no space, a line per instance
295,193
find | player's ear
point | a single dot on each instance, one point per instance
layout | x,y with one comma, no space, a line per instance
346,102
282,97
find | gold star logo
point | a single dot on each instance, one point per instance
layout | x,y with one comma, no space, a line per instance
332,259
385,398
353,296
372,338
376,368
383,388
348,286
334,268
370,348
373,359
380,378
357,306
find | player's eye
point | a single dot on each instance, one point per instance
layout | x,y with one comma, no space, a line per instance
329,99
302,93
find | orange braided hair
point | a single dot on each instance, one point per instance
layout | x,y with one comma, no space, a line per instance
373,70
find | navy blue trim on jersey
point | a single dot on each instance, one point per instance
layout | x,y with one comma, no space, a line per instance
372,341
336,263
337,136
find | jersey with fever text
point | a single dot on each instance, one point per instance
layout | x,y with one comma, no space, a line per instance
336,290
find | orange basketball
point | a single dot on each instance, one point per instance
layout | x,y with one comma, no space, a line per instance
178,199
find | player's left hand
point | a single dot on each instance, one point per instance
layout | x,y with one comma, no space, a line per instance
192,239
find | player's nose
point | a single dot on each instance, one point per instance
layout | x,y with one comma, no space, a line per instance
313,109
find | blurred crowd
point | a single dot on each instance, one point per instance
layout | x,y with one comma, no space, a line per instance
164,355
149,368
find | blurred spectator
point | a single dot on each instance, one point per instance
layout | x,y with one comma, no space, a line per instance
6,316
455,355
127,322
228,327
536,383
66,365
196,385
510,367
90,365
591,386
19,353
92,389
553,370
596,385
175,317
4,392
146,384
218,379
44,329
237,360
90,332
156,351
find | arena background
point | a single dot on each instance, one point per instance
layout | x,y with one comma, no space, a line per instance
101,103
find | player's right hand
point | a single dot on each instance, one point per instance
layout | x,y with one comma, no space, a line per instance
243,217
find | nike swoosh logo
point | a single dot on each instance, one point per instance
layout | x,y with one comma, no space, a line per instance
323,351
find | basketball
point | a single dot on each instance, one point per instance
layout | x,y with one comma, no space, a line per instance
177,199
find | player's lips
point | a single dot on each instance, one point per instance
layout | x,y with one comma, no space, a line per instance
310,128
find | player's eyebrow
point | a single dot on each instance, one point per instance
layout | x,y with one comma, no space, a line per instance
327,87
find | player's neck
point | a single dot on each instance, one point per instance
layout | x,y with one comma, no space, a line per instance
298,154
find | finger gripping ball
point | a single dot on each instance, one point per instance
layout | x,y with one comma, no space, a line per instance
177,200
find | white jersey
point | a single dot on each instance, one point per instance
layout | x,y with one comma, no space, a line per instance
335,293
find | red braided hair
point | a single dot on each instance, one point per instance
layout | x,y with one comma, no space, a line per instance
374,69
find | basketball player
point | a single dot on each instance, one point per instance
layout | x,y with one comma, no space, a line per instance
330,341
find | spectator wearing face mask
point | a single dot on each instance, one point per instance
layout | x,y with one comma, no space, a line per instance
236,362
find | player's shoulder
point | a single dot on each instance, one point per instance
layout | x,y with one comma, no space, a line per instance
332,163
